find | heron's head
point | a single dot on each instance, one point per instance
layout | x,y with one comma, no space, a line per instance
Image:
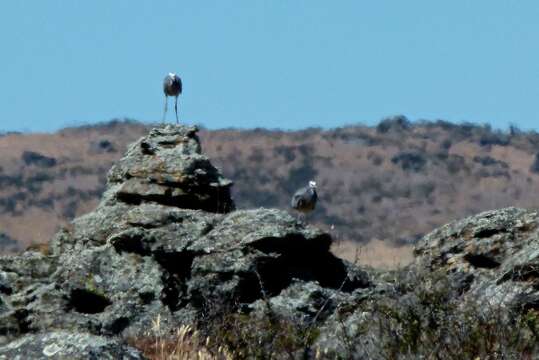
312,184
172,75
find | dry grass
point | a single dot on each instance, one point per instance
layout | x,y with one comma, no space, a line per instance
377,254
185,344
42,248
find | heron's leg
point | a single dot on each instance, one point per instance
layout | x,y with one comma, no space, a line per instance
176,110
165,112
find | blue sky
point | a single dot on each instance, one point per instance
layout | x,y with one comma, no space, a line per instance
254,63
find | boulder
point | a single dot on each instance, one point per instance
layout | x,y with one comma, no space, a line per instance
67,345
472,288
492,257
167,167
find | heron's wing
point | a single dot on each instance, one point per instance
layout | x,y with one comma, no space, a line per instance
298,199
166,83
294,202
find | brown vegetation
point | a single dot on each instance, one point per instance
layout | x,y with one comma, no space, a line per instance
185,344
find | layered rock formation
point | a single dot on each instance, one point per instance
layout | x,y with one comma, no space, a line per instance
492,258
166,167
164,242
472,292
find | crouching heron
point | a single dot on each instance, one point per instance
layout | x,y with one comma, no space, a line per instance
304,200
172,86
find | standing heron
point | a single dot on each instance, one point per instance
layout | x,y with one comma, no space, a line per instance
304,200
172,86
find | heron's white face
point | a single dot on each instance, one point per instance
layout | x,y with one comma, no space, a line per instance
172,75
312,184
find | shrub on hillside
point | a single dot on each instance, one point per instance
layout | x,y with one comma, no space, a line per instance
256,156
490,161
446,144
101,146
287,152
37,159
11,180
455,163
394,123
490,138
410,161
375,159
7,244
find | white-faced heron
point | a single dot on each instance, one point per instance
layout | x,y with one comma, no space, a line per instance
172,86
304,200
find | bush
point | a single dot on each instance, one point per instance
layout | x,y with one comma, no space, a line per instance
446,144
7,244
455,163
186,343
101,146
37,159
490,161
410,161
394,123
266,337
494,138
287,152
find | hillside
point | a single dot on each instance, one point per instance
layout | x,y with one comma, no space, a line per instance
389,184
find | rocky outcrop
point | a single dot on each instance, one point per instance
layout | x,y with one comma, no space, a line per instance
472,292
166,167
165,242
492,257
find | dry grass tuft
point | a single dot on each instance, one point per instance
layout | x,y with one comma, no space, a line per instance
376,253
186,344
41,248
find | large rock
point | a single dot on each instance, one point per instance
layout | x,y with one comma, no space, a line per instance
167,167
492,257
165,243
474,287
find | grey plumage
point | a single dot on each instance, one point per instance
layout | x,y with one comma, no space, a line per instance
172,86
304,200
